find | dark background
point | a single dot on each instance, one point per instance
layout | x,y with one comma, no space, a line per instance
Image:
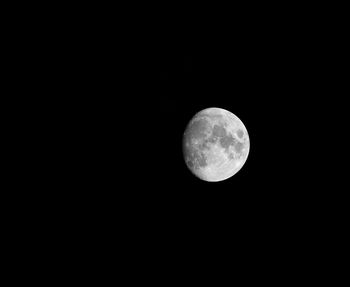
265,74
134,97
134,185
122,92
115,96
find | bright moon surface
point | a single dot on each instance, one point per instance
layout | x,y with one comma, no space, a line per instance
219,166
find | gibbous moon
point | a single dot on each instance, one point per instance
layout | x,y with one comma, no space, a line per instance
205,153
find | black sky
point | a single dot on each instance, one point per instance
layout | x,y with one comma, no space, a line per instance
113,96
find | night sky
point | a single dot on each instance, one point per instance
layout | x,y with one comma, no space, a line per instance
111,91
127,112
139,98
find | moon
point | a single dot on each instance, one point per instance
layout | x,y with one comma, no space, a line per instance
219,166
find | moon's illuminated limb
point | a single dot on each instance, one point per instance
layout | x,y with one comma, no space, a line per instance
227,170
231,118
220,167
221,172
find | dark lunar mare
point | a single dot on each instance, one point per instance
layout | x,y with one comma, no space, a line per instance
196,158
226,140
